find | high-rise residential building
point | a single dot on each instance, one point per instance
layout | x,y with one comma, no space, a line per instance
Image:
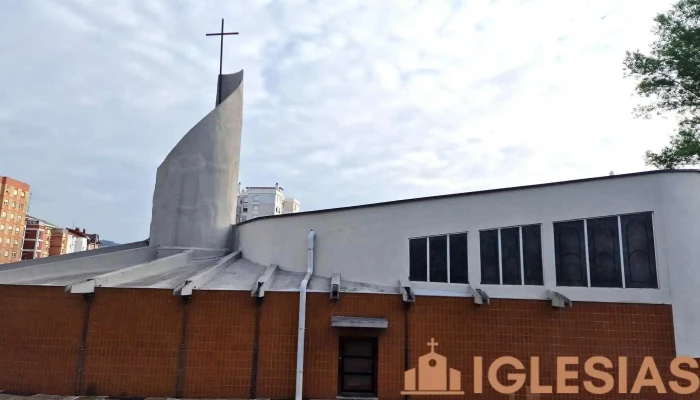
14,201
37,238
260,201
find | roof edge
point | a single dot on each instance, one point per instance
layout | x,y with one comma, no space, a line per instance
478,192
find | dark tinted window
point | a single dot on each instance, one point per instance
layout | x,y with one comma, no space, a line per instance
490,273
604,252
459,271
418,255
570,254
510,256
638,251
532,255
438,259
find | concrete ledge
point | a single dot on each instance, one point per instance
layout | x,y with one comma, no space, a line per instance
201,278
359,322
120,276
90,261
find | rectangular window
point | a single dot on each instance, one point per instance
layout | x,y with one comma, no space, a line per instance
570,253
255,208
438,258
245,209
6,253
532,255
418,259
6,202
14,204
638,250
458,258
606,252
441,259
357,366
21,206
256,198
511,256
488,247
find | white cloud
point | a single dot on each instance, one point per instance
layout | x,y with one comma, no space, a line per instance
346,101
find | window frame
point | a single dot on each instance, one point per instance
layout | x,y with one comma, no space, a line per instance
341,365
447,255
621,249
521,245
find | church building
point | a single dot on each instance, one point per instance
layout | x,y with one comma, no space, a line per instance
388,300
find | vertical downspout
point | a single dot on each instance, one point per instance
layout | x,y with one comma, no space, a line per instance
256,349
302,314
83,343
180,383
406,339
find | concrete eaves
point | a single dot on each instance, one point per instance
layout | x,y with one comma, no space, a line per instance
118,277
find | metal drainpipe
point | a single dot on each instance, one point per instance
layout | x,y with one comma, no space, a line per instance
83,343
406,343
302,314
256,348
180,383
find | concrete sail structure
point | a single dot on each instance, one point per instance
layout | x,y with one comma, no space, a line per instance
194,202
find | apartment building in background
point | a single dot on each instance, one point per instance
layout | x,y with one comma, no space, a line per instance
260,201
80,239
43,239
14,201
62,242
290,206
37,238
93,241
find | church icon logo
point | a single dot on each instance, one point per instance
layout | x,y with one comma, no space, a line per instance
432,377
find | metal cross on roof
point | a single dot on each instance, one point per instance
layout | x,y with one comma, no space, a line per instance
221,53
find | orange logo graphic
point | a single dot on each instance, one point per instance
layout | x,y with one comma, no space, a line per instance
432,376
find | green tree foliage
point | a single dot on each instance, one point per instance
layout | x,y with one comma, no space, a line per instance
669,77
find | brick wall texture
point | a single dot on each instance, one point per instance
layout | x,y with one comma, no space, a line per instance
134,339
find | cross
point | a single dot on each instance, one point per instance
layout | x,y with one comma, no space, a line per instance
432,345
221,53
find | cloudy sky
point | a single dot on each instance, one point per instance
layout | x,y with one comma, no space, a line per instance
346,102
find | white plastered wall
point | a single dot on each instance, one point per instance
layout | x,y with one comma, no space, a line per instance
370,244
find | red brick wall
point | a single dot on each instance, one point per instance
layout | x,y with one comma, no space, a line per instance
133,342
220,335
277,363
321,352
40,331
523,329
134,337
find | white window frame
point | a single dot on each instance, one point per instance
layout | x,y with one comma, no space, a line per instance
522,253
622,251
427,255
